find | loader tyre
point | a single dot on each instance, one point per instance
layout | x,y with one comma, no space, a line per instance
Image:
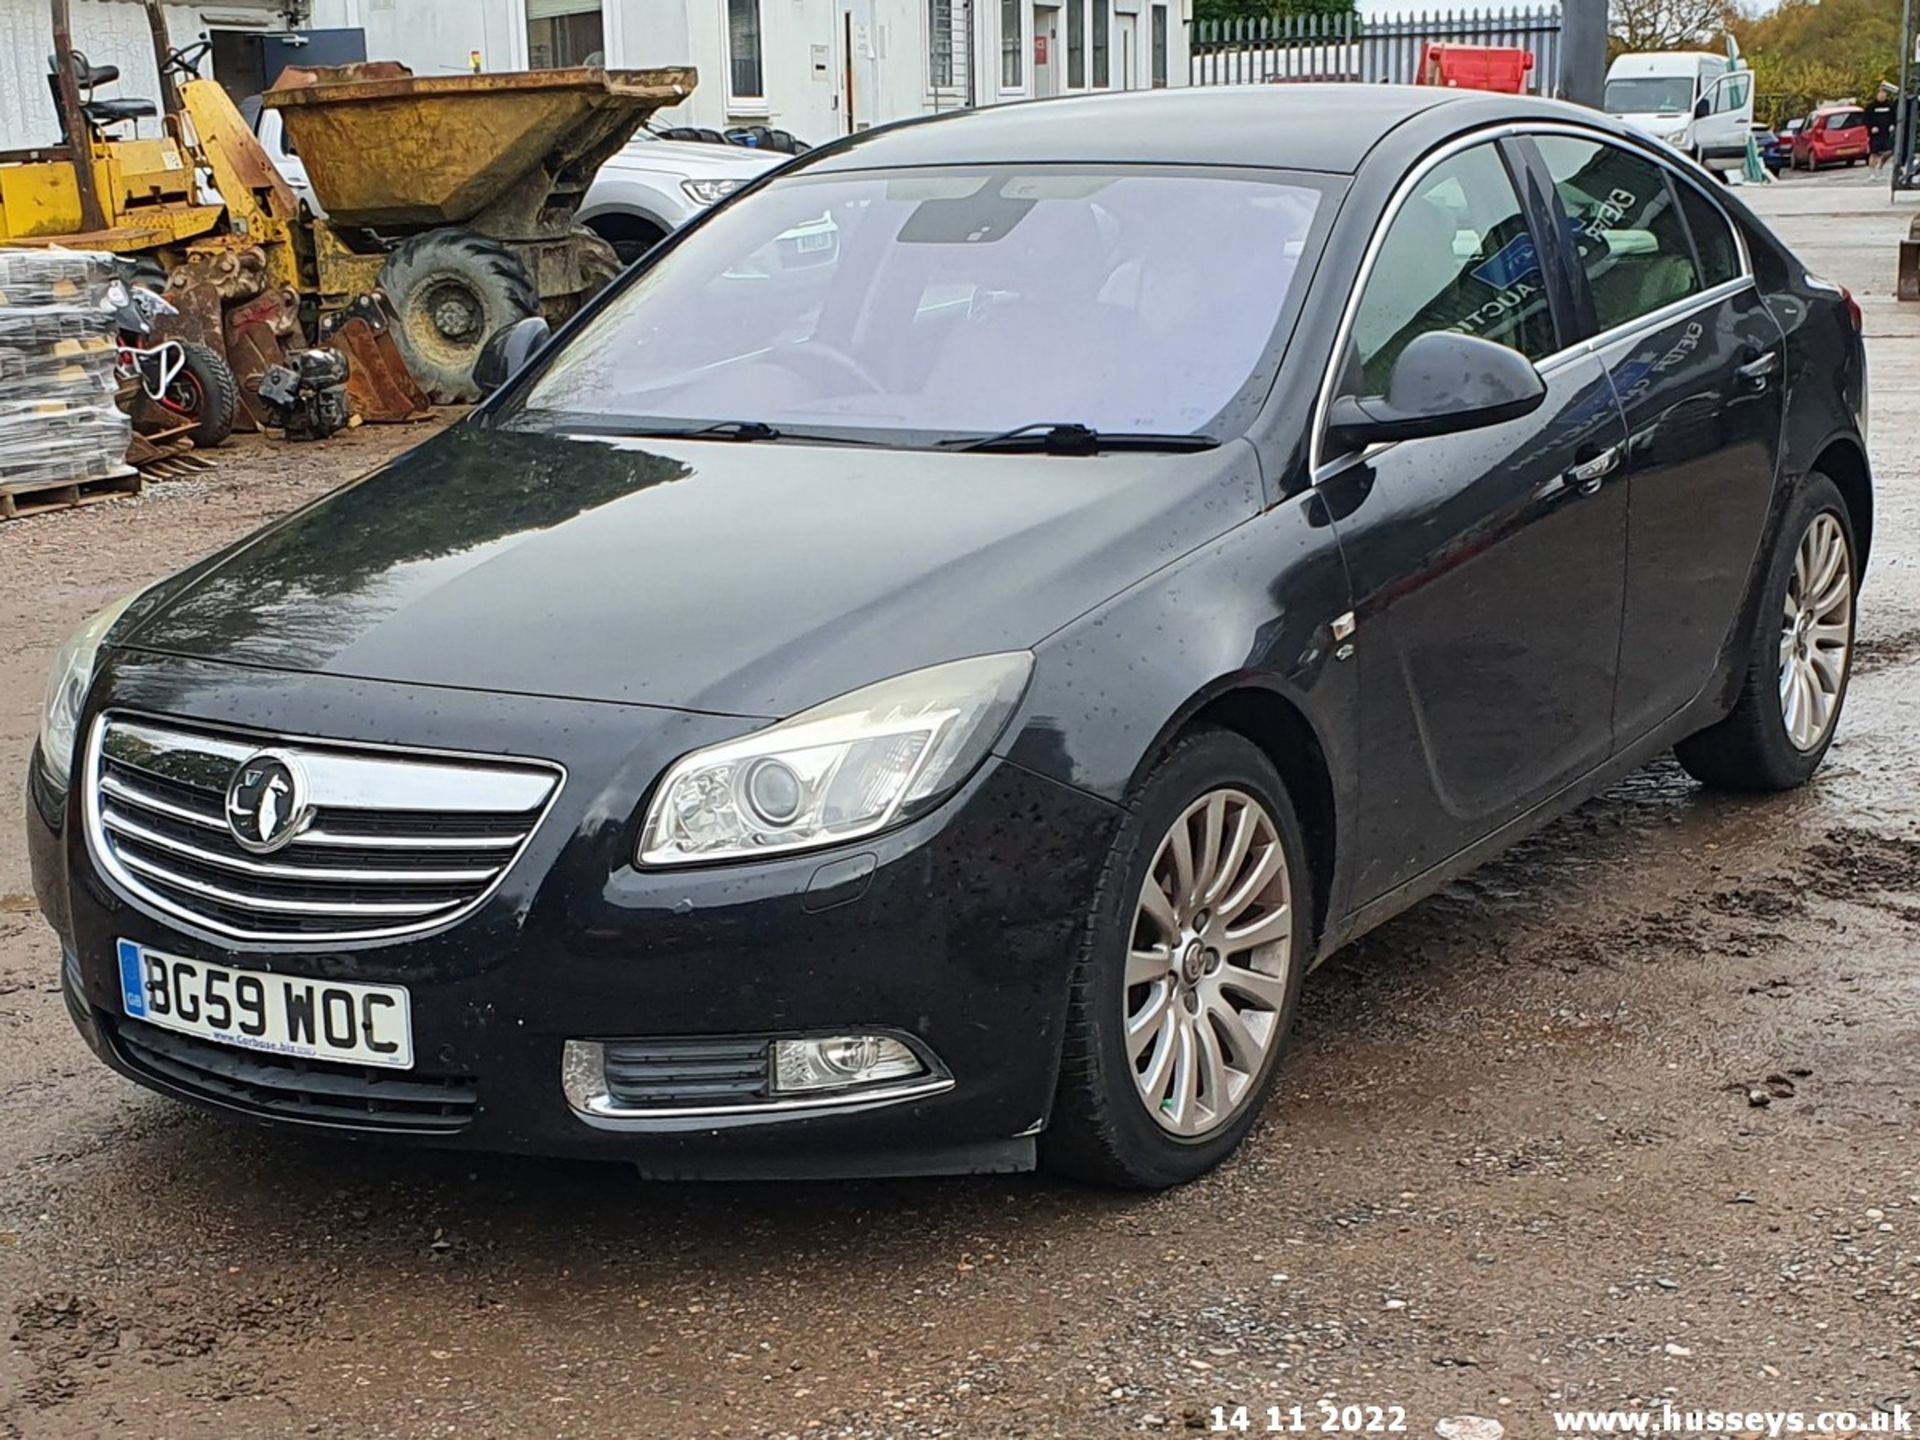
450,290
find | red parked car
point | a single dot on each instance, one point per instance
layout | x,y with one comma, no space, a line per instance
1833,135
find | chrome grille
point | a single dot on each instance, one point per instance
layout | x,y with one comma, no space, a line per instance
398,841
680,1073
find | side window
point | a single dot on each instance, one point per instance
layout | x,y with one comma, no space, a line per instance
1732,94
1626,224
1713,241
1458,256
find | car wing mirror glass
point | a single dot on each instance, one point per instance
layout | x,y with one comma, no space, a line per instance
508,350
1441,384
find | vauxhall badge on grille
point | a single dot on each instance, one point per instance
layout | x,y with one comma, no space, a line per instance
267,802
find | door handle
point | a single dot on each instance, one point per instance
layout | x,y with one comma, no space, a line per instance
1588,474
1758,370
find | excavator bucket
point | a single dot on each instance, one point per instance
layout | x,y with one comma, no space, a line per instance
252,350
258,334
380,389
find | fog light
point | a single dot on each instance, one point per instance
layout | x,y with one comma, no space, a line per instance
834,1062
583,1073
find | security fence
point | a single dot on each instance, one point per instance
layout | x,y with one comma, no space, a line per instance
1284,48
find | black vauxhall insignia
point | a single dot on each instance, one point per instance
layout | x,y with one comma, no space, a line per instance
913,678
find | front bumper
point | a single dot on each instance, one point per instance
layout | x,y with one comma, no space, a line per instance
957,930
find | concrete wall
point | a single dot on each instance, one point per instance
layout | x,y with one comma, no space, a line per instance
435,37
829,65
111,32
810,49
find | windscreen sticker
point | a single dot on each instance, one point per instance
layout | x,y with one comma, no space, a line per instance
1512,262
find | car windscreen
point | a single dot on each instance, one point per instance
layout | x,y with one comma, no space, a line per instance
1649,94
906,306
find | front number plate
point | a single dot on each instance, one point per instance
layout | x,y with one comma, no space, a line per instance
281,1014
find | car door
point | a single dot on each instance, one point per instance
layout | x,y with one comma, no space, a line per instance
1486,566
1728,117
1696,360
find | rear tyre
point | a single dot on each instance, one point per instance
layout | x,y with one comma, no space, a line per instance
1189,973
629,235
1799,659
600,263
450,290
205,395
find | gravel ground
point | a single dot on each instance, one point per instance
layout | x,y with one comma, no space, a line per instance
1518,1160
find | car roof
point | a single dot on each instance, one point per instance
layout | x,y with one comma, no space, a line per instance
1659,62
1324,127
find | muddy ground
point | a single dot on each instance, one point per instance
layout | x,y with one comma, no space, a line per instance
1516,1160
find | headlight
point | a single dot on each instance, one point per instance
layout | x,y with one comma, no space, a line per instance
709,192
851,767
67,689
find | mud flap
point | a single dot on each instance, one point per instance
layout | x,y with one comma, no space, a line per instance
380,388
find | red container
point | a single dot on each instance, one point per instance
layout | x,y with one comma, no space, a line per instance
1476,67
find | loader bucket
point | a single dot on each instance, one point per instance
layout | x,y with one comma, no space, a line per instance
388,150
380,389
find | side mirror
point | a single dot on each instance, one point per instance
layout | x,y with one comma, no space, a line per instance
508,350
1443,383
1703,107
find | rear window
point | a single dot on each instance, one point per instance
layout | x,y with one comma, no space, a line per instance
1846,120
1713,238
1632,241
911,306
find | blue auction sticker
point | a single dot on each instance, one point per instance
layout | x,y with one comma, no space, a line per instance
132,982
1513,261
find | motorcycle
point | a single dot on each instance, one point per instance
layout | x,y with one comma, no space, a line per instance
187,383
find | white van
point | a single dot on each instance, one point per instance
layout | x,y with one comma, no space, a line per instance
1687,98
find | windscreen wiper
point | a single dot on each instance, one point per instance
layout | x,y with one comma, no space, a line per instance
736,430
742,430
1068,437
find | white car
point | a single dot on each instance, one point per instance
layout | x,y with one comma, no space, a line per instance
654,186
649,189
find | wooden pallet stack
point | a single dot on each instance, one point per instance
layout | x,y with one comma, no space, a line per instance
63,439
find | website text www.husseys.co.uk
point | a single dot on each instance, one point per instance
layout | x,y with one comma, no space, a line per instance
1668,1419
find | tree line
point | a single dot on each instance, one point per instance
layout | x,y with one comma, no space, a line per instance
1803,53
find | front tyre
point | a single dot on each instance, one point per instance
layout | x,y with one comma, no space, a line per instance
1800,656
1185,988
450,291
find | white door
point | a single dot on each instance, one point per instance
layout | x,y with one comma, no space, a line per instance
1046,50
1729,119
1127,41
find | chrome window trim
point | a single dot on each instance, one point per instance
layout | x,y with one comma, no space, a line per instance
1667,314
222,738
1319,466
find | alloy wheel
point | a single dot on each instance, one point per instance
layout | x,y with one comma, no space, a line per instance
1816,633
1208,963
